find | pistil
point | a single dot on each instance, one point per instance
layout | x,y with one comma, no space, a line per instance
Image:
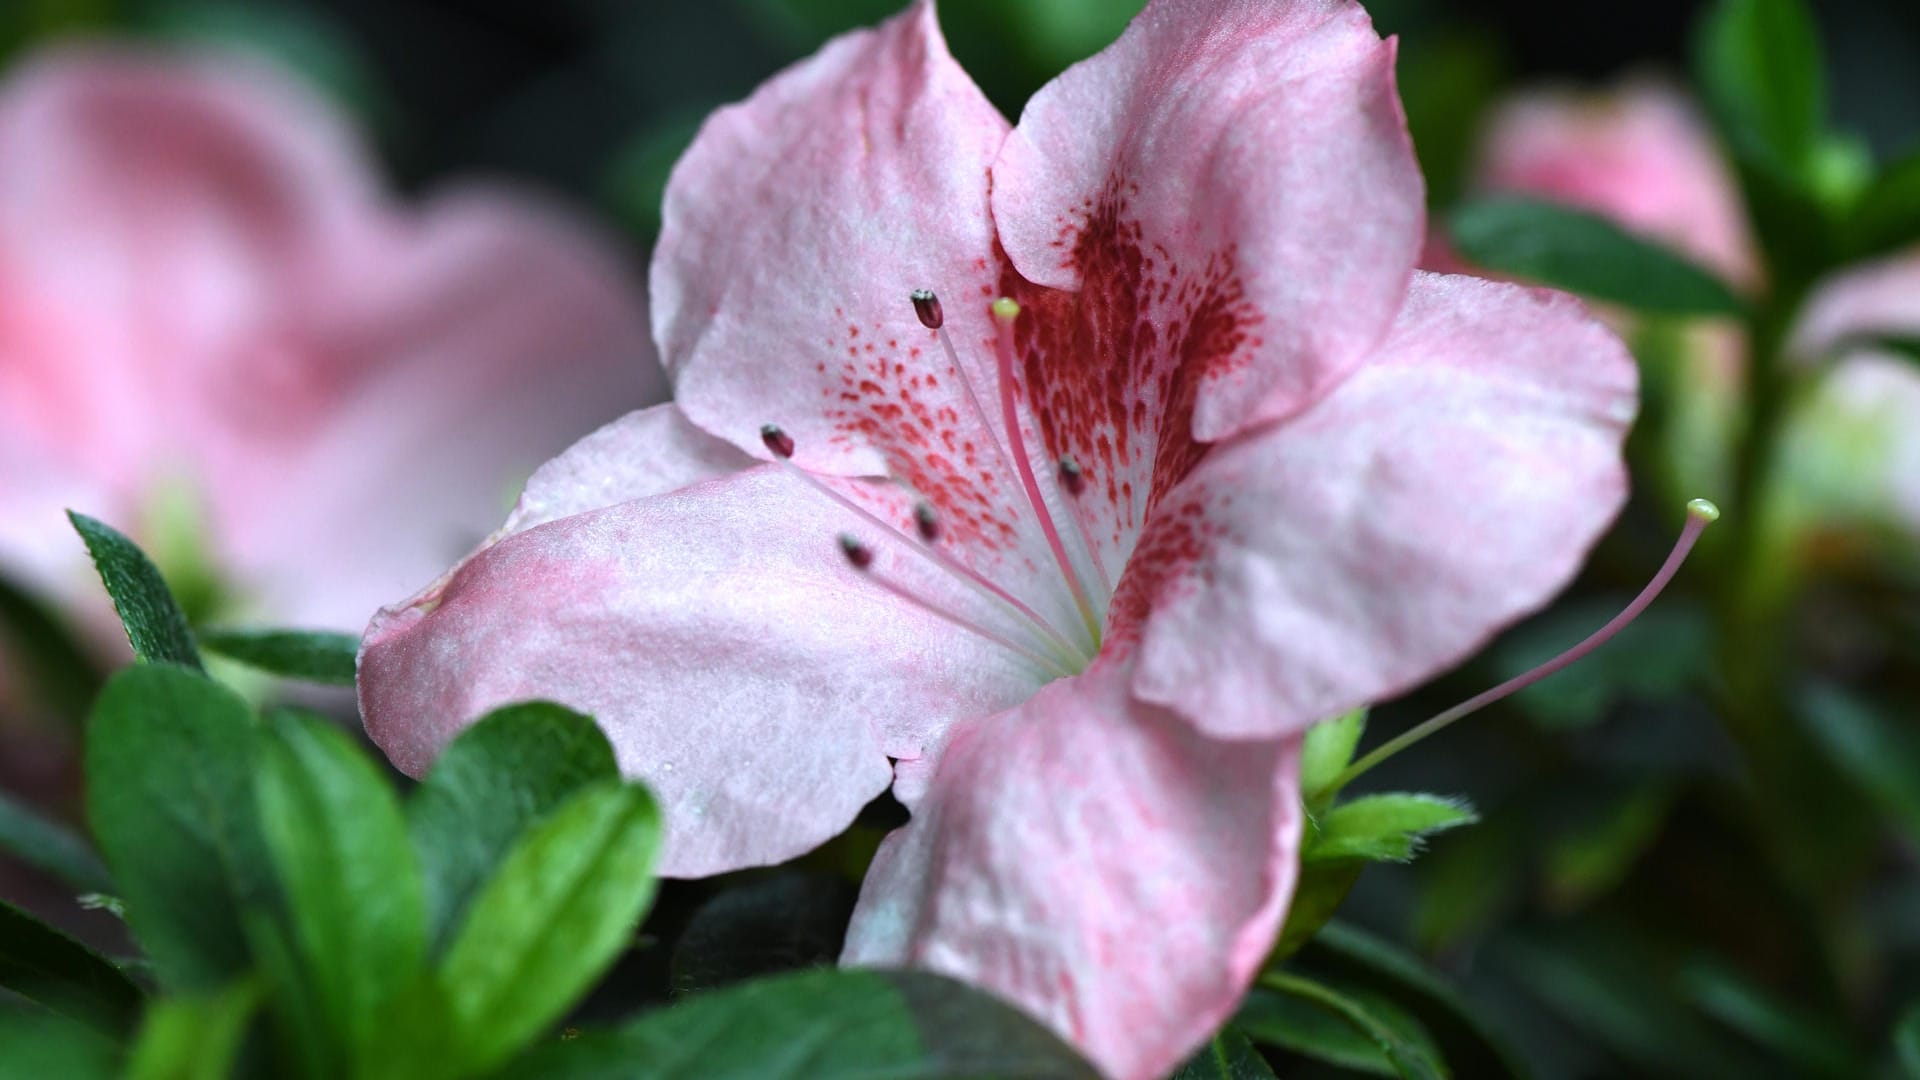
1700,514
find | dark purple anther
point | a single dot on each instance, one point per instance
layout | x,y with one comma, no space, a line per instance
777,440
857,553
1071,478
927,306
926,521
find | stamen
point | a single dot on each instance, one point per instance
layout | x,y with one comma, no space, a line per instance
927,306
967,574
925,520
1005,312
777,441
1700,514
857,553
860,557
1074,482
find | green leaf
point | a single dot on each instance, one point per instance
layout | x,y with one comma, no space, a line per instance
51,847
194,1038
1906,1041
1387,828
155,626
170,799
352,887
1323,887
506,772
41,1046
313,655
787,920
1394,1036
1761,72
1887,216
42,964
1230,1056
1586,254
1597,852
1302,1027
1327,750
1813,1048
820,1025
558,913
1877,752
1472,1046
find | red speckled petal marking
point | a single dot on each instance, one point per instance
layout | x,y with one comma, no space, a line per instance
1111,371
1235,152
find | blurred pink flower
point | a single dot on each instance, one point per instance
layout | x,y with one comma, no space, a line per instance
206,298
1233,468
1640,155
1850,453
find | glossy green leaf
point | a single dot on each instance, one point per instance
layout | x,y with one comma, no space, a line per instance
1389,827
194,1038
1586,254
1394,1035
820,1025
155,626
1230,1056
1812,1047
42,964
312,655
503,774
38,1045
556,915
1327,750
52,847
1471,1044
1302,1027
1878,752
170,800
352,886
1760,68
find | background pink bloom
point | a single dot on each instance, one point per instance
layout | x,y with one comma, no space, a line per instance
207,298
1313,478
1640,154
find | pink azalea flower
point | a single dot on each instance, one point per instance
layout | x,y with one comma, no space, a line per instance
204,291
1639,154
1215,465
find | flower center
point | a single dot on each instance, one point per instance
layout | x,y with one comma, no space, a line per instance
1003,618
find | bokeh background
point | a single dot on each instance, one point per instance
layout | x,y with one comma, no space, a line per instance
1637,901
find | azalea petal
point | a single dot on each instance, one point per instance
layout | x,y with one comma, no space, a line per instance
1878,300
1096,862
1245,160
794,230
751,678
644,453
1452,484
154,212
1849,455
469,345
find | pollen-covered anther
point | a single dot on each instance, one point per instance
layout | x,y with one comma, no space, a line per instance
926,521
927,306
1072,477
859,555
777,440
